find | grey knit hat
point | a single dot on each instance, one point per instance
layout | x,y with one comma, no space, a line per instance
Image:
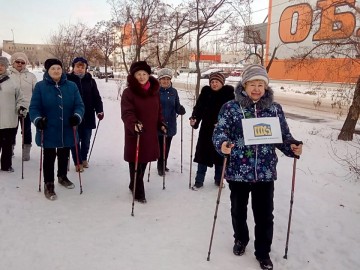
4,61
255,72
165,72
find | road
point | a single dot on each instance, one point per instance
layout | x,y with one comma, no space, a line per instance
301,107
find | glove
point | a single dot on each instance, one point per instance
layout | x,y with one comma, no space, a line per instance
100,116
163,128
138,127
182,110
74,120
41,123
22,111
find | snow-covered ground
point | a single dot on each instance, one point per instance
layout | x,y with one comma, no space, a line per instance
95,230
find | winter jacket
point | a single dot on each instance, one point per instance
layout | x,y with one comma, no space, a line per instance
26,82
11,98
141,105
90,96
57,102
170,106
250,163
206,111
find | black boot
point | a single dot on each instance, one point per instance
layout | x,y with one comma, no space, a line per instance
265,263
65,182
239,248
49,191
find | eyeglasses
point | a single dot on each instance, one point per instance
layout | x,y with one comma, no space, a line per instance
20,62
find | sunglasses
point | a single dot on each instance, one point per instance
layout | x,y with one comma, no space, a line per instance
20,62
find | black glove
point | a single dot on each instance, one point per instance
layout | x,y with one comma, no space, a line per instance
74,120
41,123
22,111
182,110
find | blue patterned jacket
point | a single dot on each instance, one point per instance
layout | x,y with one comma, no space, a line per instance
250,163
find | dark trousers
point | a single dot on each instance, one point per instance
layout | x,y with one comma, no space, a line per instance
160,161
26,130
6,141
140,190
83,145
50,154
262,195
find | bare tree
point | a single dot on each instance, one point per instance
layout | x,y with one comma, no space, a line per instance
206,16
137,19
68,42
102,37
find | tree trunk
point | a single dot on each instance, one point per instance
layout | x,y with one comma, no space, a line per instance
348,129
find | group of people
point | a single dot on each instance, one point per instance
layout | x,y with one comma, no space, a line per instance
149,108
63,108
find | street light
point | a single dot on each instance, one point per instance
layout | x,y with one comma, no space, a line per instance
12,31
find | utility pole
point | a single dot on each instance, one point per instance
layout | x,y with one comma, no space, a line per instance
12,31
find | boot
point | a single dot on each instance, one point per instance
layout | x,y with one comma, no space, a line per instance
85,164
65,182
49,191
26,152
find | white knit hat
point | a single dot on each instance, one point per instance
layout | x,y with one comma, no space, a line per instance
254,72
19,56
165,72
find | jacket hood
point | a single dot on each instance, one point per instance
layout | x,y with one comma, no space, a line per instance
135,86
265,101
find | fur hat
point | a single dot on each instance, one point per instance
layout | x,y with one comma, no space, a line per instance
165,72
217,76
79,59
254,72
19,56
4,61
140,65
50,62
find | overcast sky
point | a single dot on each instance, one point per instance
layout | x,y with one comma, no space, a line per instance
33,21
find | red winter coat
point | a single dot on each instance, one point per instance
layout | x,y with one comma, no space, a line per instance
141,105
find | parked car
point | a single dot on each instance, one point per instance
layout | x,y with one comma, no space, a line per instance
206,74
236,72
100,72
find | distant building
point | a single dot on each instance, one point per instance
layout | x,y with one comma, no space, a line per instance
37,53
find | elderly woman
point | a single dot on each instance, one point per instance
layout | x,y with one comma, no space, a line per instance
56,108
141,114
12,104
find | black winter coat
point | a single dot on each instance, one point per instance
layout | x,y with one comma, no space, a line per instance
206,110
90,96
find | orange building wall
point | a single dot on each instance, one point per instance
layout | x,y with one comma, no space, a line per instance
343,70
303,32
207,57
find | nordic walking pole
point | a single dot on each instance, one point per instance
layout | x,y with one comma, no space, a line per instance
149,172
22,147
217,202
41,157
164,159
181,145
191,154
77,158
97,127
136,172
291,200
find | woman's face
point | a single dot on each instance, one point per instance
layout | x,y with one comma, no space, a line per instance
255,89
79,69
142,76
2,69
55,72
215,85
165,82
